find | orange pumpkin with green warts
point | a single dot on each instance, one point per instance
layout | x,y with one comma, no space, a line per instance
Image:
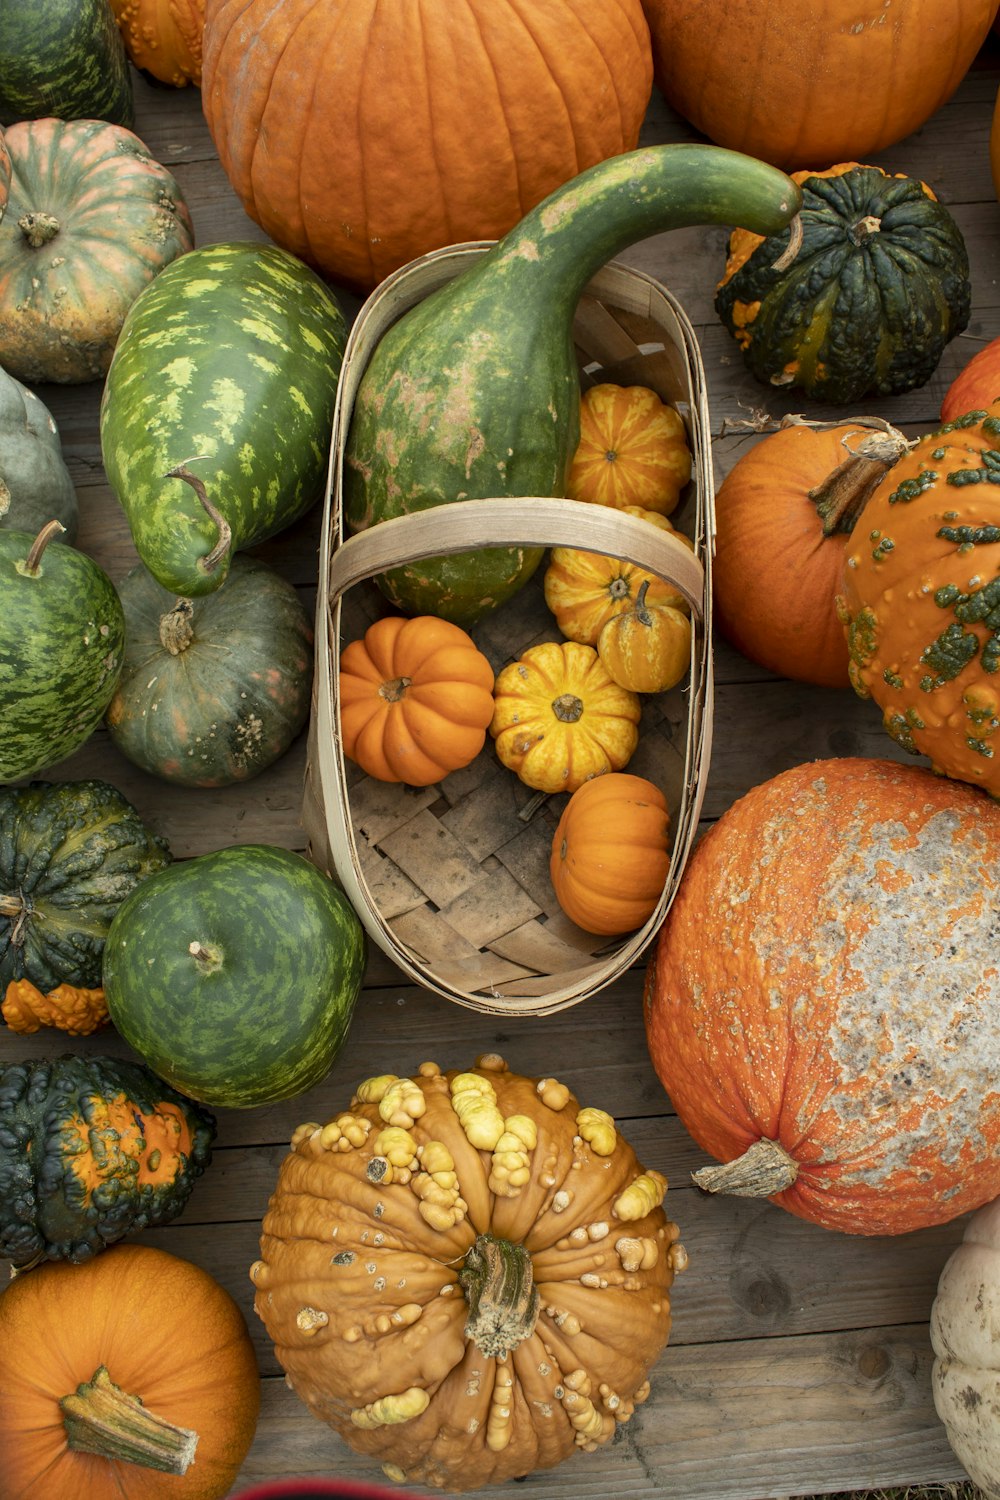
132,1375
559,718
633,450
825,1018
610,853
467,1274
416,698
920,600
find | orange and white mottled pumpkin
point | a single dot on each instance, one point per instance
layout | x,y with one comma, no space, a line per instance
466,1274
823,1003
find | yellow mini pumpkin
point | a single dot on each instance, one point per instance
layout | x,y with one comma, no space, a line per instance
584,590
633,450
610,853
559,719
466,1274
646,649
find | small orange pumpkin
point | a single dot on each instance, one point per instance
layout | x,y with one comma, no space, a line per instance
130,1375
648,647
584,590
559,719
610,853
633,450
163,37
416,698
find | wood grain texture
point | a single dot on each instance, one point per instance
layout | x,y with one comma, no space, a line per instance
799,1361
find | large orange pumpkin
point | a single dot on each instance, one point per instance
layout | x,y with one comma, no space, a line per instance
977,384
823,1002
362,133
131,1376
784,515
803,82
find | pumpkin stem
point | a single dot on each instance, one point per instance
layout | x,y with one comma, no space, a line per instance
567,708
211,561
31,563
103,1419
38,229
503,1300
639,608
20,909
393,691
843,495
765,1168
208,957
176,632
864,229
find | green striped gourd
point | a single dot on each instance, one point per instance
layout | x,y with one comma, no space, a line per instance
475,391
235,974
61,649
217,408
64,58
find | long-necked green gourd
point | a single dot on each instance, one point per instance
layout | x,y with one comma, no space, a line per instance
475,391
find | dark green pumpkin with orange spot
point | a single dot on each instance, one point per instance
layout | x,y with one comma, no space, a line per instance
92,1149
865,306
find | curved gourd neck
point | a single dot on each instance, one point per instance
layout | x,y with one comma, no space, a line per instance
567,238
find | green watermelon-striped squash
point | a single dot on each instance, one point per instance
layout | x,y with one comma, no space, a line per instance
235,974
35,484
213,689
64,58
91,219
475,391
70,852
92,1149
217,408
62,643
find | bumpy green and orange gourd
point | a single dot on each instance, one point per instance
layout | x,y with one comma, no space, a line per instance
921,599
475,391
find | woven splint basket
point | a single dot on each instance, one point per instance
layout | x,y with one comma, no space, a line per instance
452,881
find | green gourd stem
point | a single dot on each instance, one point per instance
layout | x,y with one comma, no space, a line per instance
102,1419
33,560
765,1168
206,955
640,608
503,1300
176,631
209,563
567,238
38,229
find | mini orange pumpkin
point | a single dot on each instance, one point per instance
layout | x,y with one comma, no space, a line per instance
130,1375
466,1274
416,698
610,853
825,1018
584,590
647,648
633,450
559,718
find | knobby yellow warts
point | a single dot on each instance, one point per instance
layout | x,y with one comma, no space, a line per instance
474,1101
388,1410
641,1197
510,1167
598,1129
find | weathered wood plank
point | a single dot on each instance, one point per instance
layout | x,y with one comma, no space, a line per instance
724,1421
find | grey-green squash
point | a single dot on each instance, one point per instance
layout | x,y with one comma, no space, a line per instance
35,484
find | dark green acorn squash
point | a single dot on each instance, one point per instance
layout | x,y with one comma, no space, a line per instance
61,647
235,974
65,58
475,392
213,689
35,485
877,288
92,1149
70,852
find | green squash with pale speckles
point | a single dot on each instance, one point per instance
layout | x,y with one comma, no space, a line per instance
62,644
226,369
475,392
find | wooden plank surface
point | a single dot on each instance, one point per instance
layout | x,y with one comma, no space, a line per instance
799,1360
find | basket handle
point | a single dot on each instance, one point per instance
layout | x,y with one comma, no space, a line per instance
526,521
